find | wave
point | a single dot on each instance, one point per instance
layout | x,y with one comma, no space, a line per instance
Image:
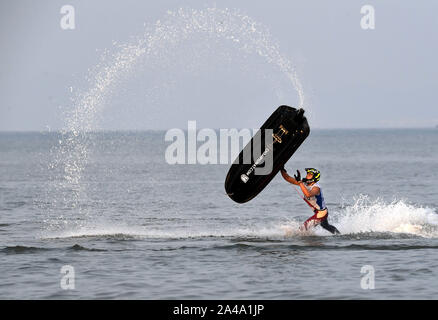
397,217
365,219
22,249
19,249
134,232
321,246
78,247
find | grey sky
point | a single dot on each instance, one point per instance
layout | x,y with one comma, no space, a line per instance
385,77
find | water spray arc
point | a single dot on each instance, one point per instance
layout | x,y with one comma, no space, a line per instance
72,154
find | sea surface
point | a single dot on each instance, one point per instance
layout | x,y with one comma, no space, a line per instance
125,224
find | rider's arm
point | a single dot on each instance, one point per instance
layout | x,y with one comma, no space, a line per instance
288,178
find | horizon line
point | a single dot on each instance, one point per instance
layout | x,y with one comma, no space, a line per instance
216,129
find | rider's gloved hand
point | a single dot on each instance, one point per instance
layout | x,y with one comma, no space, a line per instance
297,176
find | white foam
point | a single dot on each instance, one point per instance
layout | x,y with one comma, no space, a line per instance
367,215
363,216
170,233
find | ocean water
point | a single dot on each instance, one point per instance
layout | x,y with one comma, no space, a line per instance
134,227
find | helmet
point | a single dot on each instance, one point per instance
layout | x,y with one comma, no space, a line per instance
316,174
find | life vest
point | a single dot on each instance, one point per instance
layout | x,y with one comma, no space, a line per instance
318,200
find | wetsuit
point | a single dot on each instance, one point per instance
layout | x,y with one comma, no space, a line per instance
321,213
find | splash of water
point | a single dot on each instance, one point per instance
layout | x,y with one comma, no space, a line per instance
72,154
366,218
367,215
373,217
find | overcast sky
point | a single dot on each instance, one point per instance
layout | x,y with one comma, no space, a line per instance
352,78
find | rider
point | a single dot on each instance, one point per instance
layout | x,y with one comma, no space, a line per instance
313,196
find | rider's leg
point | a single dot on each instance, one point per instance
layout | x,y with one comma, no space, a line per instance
329,227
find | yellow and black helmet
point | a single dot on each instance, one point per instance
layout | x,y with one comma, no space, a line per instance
316,174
